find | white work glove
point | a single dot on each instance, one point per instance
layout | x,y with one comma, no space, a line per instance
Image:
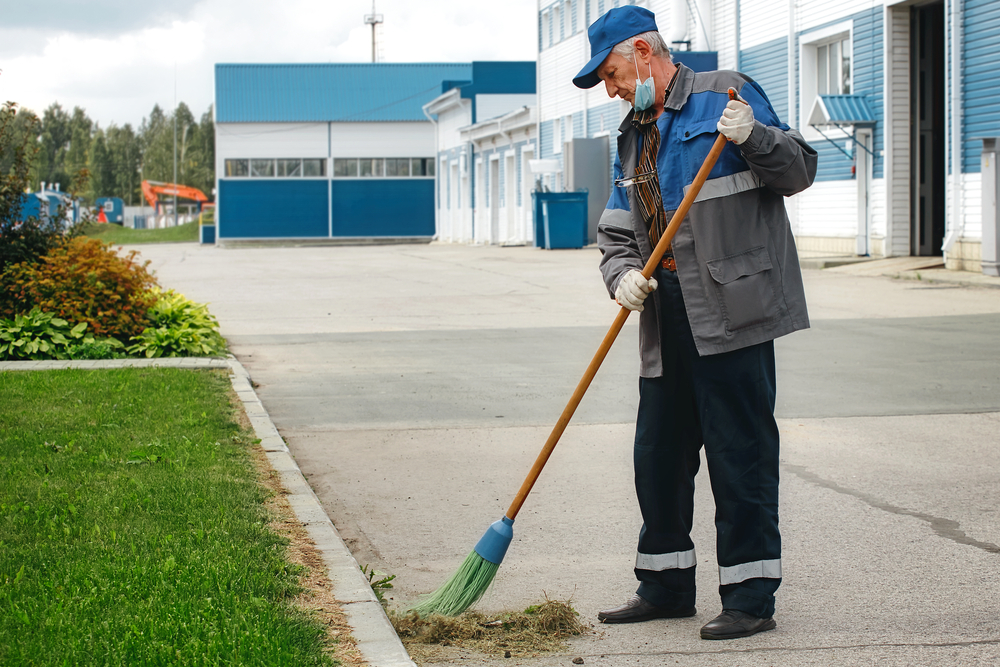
737,121
633,290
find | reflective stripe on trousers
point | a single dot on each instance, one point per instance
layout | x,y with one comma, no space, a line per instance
677,560
761,569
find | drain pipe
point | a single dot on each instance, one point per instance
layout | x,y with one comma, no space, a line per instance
957,227
437,183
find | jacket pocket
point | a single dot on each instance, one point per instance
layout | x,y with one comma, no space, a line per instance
743,285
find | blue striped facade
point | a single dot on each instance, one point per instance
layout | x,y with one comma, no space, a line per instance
315,209
767,64
980,49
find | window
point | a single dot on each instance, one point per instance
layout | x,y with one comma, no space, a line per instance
377,167
289,168
262,168
833,68
237,168
280,168
345,167
825,58
546,28
313,168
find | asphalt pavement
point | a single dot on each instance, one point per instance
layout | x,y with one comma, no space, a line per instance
415,385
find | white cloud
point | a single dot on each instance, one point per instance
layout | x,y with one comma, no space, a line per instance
120,76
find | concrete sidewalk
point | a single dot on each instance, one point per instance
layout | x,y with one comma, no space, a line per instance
414,386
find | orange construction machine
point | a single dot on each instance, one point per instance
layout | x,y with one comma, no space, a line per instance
152,190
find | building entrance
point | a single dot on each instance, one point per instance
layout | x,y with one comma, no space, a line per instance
927,172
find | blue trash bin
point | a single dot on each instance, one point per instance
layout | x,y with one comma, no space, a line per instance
560,219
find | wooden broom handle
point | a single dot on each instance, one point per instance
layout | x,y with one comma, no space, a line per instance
616,326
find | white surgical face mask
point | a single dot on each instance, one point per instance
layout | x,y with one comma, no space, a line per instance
643,89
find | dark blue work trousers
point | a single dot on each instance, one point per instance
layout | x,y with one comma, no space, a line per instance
726,402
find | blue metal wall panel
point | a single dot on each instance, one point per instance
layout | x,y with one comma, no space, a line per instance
603,119
868,76
545,140
383,207
767,64
272,209
316,92
980,114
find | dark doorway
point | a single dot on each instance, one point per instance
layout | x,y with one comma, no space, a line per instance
927,175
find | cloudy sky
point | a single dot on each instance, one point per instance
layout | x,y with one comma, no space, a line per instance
117,58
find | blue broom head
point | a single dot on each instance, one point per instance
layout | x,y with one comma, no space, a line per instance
492,546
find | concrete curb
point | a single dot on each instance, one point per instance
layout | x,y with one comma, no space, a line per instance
376,638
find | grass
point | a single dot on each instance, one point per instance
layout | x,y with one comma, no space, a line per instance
133,530
124,236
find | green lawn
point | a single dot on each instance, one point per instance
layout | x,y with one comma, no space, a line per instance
133,530
123,236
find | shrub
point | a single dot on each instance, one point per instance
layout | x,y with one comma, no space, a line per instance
39,335
181,327
83,280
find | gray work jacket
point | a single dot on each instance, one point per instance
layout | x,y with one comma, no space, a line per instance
736,259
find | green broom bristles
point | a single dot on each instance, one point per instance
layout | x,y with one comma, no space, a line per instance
463,590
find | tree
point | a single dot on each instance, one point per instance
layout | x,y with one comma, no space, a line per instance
125,155
102,176
21,239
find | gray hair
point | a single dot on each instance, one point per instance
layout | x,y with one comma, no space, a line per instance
626,49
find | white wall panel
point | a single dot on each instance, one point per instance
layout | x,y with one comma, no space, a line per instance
814,13
828,208
249,140
897,135
557,67
450,121
972,203
724,37
762,21
878,207
413,139
491,106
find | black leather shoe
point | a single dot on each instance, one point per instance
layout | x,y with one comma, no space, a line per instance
731,624
638,609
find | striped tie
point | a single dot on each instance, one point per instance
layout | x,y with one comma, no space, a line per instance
647,189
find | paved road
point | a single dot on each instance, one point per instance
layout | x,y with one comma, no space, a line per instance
415,385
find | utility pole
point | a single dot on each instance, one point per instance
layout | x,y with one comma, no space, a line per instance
175,144
373,19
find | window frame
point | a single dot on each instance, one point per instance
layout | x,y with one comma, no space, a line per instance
809,44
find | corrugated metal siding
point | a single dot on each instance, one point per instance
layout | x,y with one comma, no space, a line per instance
557,67
724,27
767,64
812,14
832,165
868,75
383,208
762,22
275,209
897,123
316,92
980,115
829,209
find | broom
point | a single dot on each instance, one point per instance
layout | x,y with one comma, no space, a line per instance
475,575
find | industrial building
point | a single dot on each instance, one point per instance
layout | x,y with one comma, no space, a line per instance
313,152
486,134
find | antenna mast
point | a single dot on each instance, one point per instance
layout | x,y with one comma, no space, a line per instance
373,19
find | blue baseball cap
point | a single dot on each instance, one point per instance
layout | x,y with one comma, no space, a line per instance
607,32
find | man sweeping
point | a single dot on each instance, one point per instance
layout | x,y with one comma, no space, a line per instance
729,285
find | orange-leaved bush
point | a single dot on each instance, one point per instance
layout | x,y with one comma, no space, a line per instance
84,280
